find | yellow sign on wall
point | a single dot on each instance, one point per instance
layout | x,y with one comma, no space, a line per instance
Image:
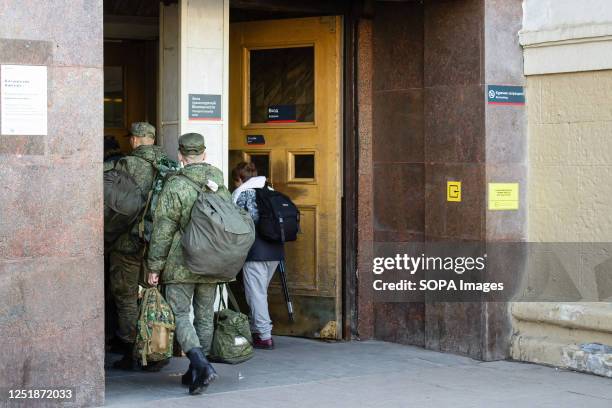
453,191
503,196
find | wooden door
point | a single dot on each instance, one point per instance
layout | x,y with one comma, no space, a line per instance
130,84
285,116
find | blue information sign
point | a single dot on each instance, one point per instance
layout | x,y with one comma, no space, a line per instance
256,140
281,114
505,95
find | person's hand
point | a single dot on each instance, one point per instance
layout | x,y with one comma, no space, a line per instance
153,278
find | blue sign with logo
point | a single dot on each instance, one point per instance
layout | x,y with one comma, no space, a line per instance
505,95
281,114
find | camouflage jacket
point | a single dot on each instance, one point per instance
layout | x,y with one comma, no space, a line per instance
140,164
172,214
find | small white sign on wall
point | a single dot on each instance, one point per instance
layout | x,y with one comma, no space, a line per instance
23,100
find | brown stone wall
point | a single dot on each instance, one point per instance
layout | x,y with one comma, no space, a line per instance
398,151
430,124
455,150
470,44
51,245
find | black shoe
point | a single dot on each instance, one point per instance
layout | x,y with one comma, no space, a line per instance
202,372
127,361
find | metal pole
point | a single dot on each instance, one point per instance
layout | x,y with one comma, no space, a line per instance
283,279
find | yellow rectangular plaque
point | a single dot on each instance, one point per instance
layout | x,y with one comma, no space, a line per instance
453,191
503,196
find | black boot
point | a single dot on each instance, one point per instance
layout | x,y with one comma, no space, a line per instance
202,372
186,378
127,361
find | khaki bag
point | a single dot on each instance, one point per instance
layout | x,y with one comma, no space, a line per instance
232,342
155,328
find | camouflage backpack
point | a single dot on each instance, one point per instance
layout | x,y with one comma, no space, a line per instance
163,169
155,328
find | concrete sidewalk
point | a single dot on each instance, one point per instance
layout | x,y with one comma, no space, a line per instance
307,373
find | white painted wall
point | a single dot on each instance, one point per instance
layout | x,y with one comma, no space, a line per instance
561,36
549,15
194,59
204,70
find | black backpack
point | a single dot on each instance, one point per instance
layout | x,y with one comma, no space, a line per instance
279,218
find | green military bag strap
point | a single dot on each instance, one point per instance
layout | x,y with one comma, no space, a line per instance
230,295
141,223
222,304
232,298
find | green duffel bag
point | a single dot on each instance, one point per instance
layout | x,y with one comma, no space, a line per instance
232,341
219,235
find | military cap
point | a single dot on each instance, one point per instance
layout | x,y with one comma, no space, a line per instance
191,144
142,129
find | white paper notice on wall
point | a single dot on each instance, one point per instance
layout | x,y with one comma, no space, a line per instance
23,100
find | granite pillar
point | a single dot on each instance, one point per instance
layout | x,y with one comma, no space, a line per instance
398,152
365,228
455,151
51,242
506,153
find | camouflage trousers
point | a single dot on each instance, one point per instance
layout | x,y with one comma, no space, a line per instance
124,274
200,332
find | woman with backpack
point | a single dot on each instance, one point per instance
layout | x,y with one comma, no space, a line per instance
263,258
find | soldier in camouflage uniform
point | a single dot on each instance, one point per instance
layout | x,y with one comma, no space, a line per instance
166,262
126,252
